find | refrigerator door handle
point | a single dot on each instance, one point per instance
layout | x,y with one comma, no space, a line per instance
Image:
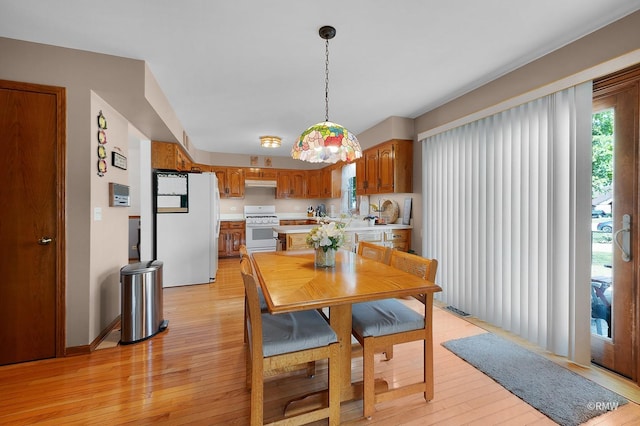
217,195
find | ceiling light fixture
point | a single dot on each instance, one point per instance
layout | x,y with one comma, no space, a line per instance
326,142
270,141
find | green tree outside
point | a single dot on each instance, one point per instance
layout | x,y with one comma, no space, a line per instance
602,153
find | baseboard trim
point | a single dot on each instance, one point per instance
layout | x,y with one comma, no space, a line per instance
87,349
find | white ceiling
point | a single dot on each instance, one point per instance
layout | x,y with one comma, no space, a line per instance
238,69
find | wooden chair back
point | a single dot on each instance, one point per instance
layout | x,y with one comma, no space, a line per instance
374,251
252,304
414,264
259,366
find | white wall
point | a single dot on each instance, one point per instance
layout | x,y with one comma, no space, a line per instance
109,225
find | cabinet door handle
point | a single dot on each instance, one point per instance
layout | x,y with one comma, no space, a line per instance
45,241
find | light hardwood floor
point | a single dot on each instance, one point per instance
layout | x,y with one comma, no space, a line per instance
193,373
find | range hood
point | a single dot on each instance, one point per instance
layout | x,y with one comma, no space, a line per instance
259,183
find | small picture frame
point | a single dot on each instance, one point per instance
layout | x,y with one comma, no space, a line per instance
254,160
118,160
267,161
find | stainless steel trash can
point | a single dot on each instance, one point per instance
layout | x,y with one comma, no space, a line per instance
141,314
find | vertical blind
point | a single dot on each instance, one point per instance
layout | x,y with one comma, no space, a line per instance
506,202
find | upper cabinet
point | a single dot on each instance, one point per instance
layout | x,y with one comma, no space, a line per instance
170,156
230,181
314,183
258,173
385,168
332,181
319,183
291,184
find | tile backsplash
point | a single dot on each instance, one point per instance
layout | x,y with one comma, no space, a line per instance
267,196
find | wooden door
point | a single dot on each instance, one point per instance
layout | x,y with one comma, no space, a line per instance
283,186
371,172
297,184
615,283
235,182
386,170
236,239
327,187
32,139
221,174
361,176
314,184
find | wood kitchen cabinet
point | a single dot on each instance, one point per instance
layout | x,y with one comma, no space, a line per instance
385,168
399,239
332,181
291,184
258,173
314,182
310,221
297,242
230,181
232,236
169,156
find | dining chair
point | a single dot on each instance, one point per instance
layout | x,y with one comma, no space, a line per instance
310,366
381,324
284,340
244,254
374,251
379,254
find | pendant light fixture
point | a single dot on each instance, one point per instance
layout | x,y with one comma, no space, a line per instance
326,142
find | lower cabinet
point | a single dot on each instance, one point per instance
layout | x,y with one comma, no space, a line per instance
232,236
297,242
399,239
310,221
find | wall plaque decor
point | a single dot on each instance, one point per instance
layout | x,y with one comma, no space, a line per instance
102,167
102,139
118,160
102,121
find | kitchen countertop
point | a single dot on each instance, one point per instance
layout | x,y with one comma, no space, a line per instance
281,216
303,229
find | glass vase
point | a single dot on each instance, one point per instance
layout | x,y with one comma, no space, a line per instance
325,259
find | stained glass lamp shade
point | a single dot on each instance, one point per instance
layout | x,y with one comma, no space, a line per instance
326,142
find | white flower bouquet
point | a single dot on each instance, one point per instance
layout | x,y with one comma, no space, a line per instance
326,236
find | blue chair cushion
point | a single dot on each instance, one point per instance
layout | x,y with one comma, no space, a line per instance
296,331
261,300
382,317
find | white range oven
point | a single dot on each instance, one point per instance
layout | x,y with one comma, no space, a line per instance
259,223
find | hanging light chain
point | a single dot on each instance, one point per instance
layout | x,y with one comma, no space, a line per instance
326,81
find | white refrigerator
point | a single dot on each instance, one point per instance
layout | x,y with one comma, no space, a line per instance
187,237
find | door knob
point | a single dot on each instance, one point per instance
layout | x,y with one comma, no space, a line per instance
44,241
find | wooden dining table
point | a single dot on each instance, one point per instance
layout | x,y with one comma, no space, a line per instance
291,282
